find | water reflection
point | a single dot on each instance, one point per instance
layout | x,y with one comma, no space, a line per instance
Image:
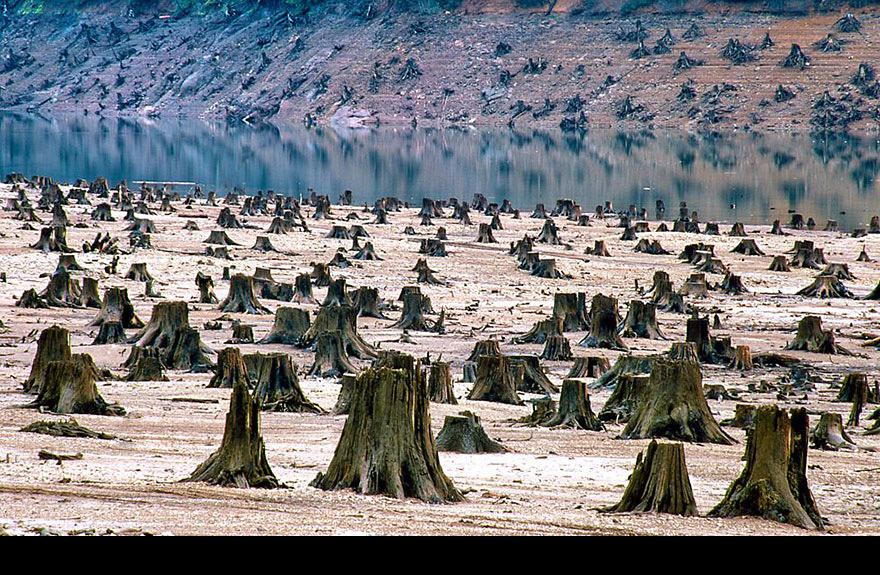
763,176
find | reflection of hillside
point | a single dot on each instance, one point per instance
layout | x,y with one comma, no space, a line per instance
756,173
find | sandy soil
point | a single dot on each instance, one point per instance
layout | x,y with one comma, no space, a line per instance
343,70
551,482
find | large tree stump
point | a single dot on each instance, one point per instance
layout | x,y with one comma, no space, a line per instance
69,386
230,369
440,383
591,366
571,308
485,235
830,435
494,381
52,345
62,290
342,319
386,446
485,347
604,318
463,433
826,286
779,264
574,408
675,407
529,375
331,358
302,289
748,247
117,307
241,298
541,331
276,384
337,293
773,484
625,399
145,365
290,325
169,331
367,302
811,337
625,365
138,272
557,348
109,333
412,317
659,483
241,460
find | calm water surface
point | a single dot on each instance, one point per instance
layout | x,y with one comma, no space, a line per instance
748,178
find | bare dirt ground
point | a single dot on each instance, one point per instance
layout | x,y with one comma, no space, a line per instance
551,482
339,68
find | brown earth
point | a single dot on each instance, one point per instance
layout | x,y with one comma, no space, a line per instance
551,482
258,66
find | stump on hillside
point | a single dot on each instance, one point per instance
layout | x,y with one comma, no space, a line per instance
773,483
542,330
659,483
779,264
742,361
241,460
571,308
485,235
675,407
386,446
463,433
826,286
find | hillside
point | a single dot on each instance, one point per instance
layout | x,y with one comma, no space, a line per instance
439,63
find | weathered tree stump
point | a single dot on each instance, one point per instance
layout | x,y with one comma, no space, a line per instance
331,357
773,484
276,384
529,376
574,408
641,321
742,361
289,327
591,366
346,392
117,307
485,235
230,369
138,272
557,348
826,286
779,264
748,247
463,433
62,290
52,345
811,337
69,386
146,366
337,294
541,331
830,435
440,383
571,308
743,416
110,332
241,460
625,364
675,407
341,319
494,381
386,446
604,318
206,288
320,275
626,397
659,483
302,290
241,298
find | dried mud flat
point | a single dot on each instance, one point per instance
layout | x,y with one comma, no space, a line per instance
551,481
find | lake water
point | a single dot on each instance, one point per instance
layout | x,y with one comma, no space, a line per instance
749,178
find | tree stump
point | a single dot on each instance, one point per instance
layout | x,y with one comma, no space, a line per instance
263,244
241,333
603,325
341,319
574,408
571,308
331,358
532,378
302,289
117,307
337,294
625,364
826,286
485,235
463,433
110,332
69,387
230,369
320,275
773,484
591,366
830,435
138,272
241,460
366,301
289,327
241,298
62,290
779,264
147,367
743,417
748,247
742,361
811,337
557,348
386,446
440,383
52,345
169,331
346,391
659,483
494,381
206,288
641,321
625,399
675,407
276,384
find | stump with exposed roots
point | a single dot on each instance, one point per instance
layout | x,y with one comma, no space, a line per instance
231,369
302,289
412,317
542,330
748,247
117,307
590,366
485,235
463,433
659,483
386,446
241,460
169,331
675,407
52,345
62,290
331,358
830,435
341,319
625,365
779,264
626,397
574,409
529,376
110,332
494,381
604,318
367,302
241,298
811,337
276,384
572,309
641,321
69,386
138,272
440,383
773,483
557,348
826,286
